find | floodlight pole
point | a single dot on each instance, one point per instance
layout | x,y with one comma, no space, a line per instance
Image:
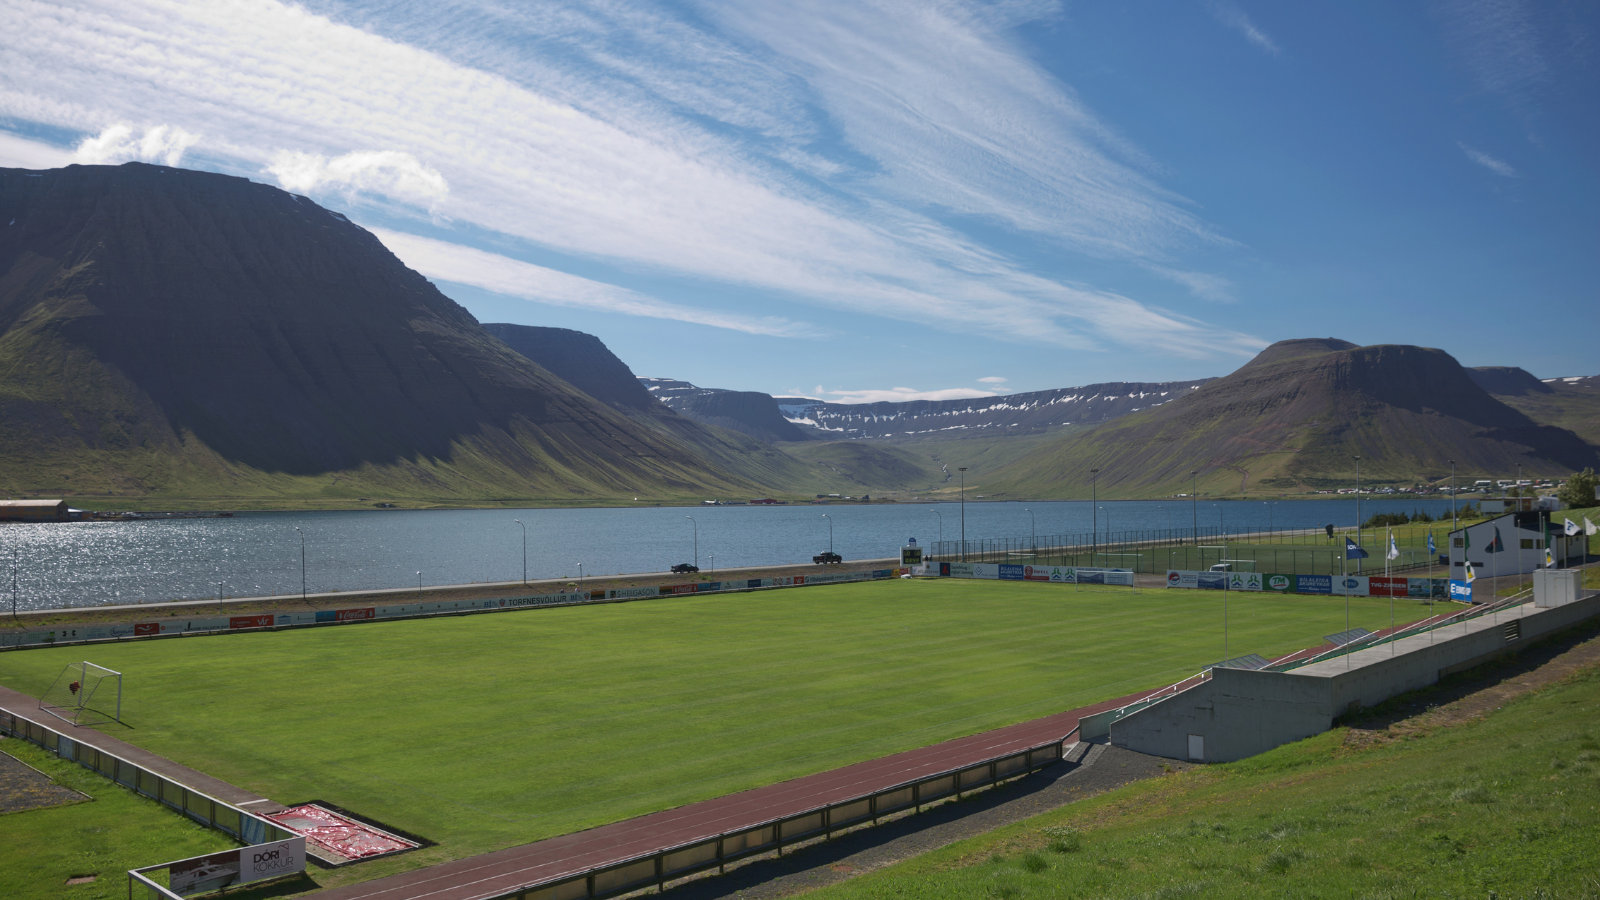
302,563
419,584
696,540
830,531
524,550
941,524
963,470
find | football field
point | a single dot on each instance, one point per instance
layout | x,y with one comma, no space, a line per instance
485,731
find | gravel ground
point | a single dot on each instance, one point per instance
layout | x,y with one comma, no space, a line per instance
864,849
22,787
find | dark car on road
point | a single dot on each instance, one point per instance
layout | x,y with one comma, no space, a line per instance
684,569
827,558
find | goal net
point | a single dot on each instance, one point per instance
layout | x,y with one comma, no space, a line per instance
85,694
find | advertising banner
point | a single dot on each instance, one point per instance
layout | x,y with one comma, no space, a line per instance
1211,581
206,874
250,621
1282,584
1244,581
632,593
1059,574
1350,585
1460,590
1009,572
1182,578
1313,584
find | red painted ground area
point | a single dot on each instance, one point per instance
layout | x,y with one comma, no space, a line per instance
338,835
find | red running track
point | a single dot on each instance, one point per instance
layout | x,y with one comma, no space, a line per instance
570,855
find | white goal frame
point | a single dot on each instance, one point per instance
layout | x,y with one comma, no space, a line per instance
71,696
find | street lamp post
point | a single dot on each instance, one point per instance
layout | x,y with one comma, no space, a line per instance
830,531
1033,531
1194,503
219,598
963,470
1358,510
1452,496
696,541
941,525
1094,515
302,563
419,584
580,575
524,550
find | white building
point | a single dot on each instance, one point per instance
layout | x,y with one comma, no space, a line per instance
1521,538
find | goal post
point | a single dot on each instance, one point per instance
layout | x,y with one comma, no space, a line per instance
85,694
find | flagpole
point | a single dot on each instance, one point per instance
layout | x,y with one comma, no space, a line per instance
1388,555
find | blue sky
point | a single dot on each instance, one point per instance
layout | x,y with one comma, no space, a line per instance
863,200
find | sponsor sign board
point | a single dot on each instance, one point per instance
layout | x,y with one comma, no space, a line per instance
1009,572
1313,584
1460,590
944,569
1244,581
1182,578
1388,586
1211,581
1350,585
147,628
250,621
667,590
961,569
1045,573
1282,584
347,615
206,874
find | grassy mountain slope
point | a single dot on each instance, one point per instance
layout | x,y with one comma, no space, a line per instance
1294,418
1570,403
169,333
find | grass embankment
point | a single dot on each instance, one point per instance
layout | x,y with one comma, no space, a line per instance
488,731
119,830
1503,806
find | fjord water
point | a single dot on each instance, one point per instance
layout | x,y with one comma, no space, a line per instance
255,554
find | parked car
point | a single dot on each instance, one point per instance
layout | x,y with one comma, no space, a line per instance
1222,567
684,569
827,558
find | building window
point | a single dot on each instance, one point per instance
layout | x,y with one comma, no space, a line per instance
1457,543
1527,543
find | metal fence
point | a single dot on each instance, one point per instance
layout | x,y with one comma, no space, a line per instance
657,868
1287,551
202,808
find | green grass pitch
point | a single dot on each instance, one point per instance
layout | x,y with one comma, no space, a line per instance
486,731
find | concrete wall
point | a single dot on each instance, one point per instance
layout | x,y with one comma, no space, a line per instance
1239,713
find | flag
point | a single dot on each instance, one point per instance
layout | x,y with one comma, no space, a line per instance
1572,527
1471,575
1496,545
1588,526
1351,551
1431,548
1549,559
1394,552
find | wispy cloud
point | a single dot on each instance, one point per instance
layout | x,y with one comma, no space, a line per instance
1497,166
992,379
387,172
899,394
1229,14
443,261
21,153
119,144
1499,41
811,155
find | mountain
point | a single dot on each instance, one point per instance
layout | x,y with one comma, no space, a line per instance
1572,403
580,360
1294,418
1023,413
177,333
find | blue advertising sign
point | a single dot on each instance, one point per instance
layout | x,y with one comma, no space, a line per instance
1010,572
944,569
1313,584
1460,590
753,582
1211,581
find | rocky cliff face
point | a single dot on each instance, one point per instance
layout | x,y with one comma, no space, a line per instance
1298,414
164,326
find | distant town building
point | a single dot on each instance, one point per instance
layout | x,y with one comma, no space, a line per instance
33,511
